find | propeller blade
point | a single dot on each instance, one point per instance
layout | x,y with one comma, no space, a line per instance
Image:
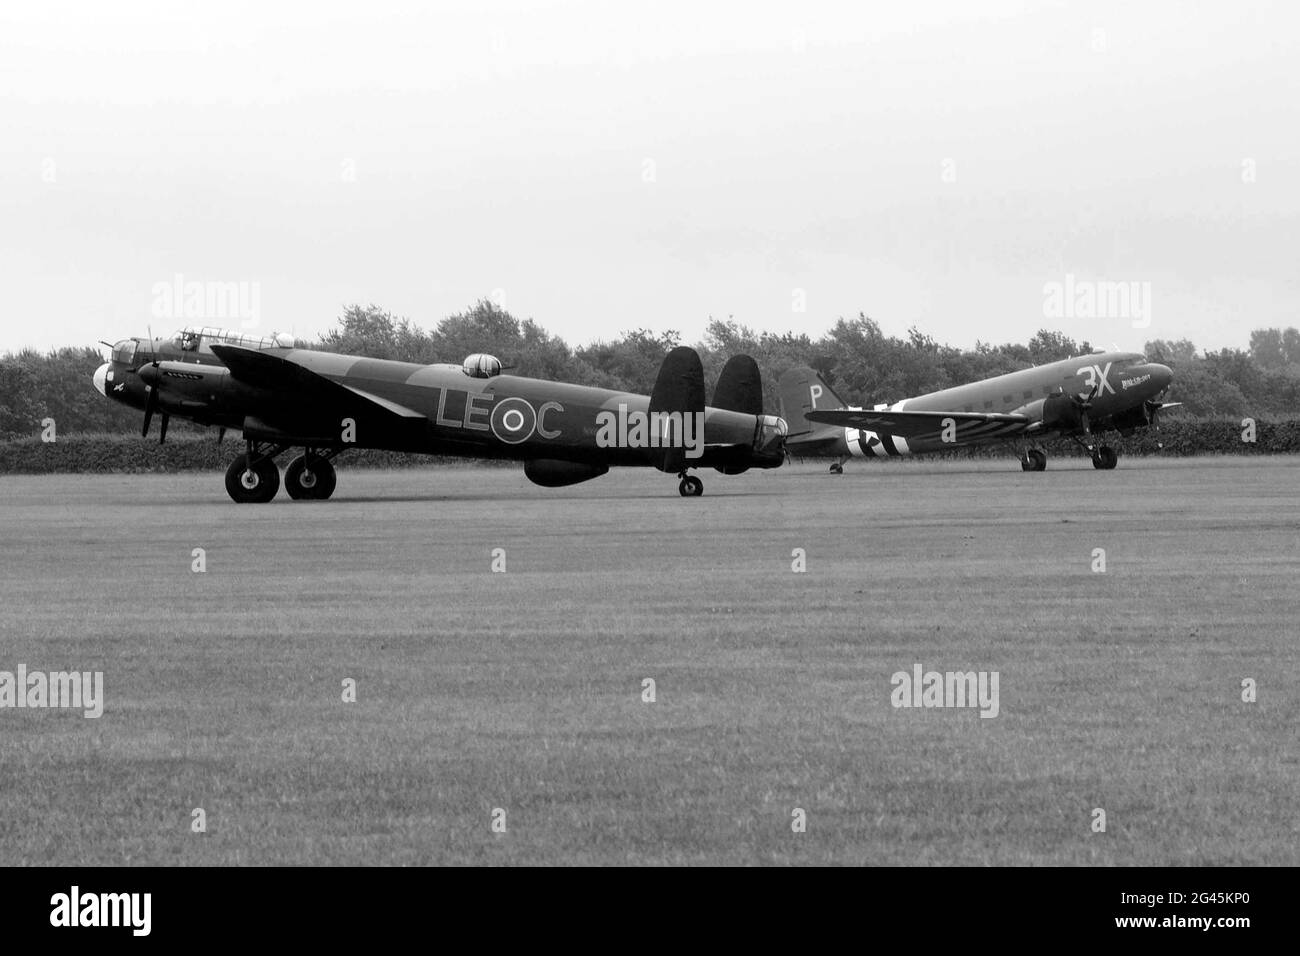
150,405
162,429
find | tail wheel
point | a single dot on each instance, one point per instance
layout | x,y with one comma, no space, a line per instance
309,477
1033,460
690,487
255,485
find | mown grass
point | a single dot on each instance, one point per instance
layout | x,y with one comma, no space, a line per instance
523,690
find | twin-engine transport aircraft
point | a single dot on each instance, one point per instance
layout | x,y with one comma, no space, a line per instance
282,397
1075,399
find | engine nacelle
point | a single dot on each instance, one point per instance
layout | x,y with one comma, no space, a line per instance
1063,412
1139,416
553,473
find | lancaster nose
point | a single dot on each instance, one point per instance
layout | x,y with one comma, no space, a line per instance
101,379
1162,374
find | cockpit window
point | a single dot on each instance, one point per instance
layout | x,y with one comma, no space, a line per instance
124,352
194,338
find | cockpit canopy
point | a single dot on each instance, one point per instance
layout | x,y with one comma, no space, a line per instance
201,338
124,352
481,365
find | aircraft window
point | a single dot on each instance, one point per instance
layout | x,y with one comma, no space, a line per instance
970,408
1006,399
124,352
191,337
988,405
1029,393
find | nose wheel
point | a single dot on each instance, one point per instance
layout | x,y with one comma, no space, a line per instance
690,487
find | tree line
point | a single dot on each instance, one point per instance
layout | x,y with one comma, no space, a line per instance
862,364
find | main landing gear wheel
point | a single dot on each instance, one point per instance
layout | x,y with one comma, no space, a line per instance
690,487
1105,458
1034,460
837,469
310,478
255,485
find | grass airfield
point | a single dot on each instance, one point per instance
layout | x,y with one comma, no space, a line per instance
523,690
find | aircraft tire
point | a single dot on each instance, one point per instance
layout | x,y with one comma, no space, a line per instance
1038,459
1105,458
316,484
326,480
256,486
690,487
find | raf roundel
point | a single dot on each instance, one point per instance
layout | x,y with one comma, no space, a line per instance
513,420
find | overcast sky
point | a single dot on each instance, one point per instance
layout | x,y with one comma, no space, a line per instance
608,166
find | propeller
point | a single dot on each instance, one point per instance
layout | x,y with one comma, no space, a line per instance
150,406
1154,406
1084,405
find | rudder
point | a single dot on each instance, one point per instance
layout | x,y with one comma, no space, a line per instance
679,388
740,386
